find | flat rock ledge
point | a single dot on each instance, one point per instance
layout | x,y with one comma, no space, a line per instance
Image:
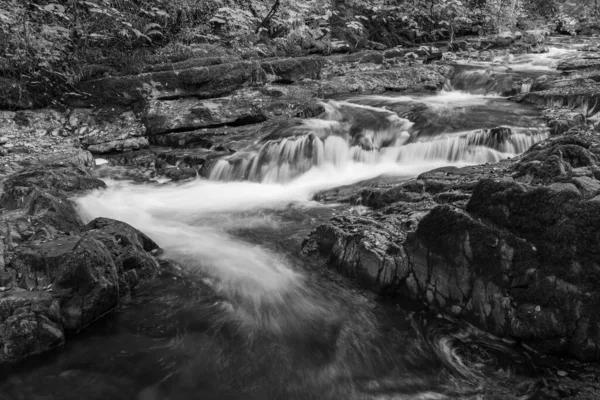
57,274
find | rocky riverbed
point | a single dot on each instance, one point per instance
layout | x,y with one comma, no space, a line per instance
509,247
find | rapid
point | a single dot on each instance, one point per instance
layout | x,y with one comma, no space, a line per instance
243,314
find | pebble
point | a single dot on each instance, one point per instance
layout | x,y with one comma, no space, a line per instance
3,139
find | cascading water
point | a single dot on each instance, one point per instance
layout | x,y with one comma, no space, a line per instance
346,134
248,317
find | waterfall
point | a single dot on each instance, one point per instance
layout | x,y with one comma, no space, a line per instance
346,139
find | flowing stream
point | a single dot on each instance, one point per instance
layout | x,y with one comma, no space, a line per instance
246,316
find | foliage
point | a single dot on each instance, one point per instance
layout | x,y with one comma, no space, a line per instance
59,42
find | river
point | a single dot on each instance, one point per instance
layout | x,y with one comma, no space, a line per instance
241,313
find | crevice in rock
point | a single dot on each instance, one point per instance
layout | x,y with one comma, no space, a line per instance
241,121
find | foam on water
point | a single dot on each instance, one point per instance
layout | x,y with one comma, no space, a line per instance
443,99
535,62
353,139
181,219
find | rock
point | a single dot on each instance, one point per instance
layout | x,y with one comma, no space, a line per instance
59,181
184,164
141,158
191,63
459,45
508,247
30,323
120,145
554,158
361,57
80,271
190,114
583,98
363,250
58,274
201,82
74,157
580,64
107,130
376,81
587,29
292,70
588,186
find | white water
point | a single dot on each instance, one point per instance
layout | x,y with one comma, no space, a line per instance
190,221
351,143
527,62
443,99
535,62
342,138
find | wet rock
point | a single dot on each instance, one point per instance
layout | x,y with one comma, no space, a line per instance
364,250
185,164
509,247
191,63
79,270
555,158
589,62
361,57
202,82
107,130
413,77
120,145
190,114
587,29
200,138
30,323
292,70
142,158
58,274
60,182
583,98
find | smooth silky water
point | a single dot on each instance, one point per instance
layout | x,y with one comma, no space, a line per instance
242,314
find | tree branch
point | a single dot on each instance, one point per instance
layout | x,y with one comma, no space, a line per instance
269,16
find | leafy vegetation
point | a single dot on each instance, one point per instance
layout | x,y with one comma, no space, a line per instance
53,44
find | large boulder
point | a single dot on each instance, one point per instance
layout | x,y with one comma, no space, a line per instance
527,257
511,248
58,275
